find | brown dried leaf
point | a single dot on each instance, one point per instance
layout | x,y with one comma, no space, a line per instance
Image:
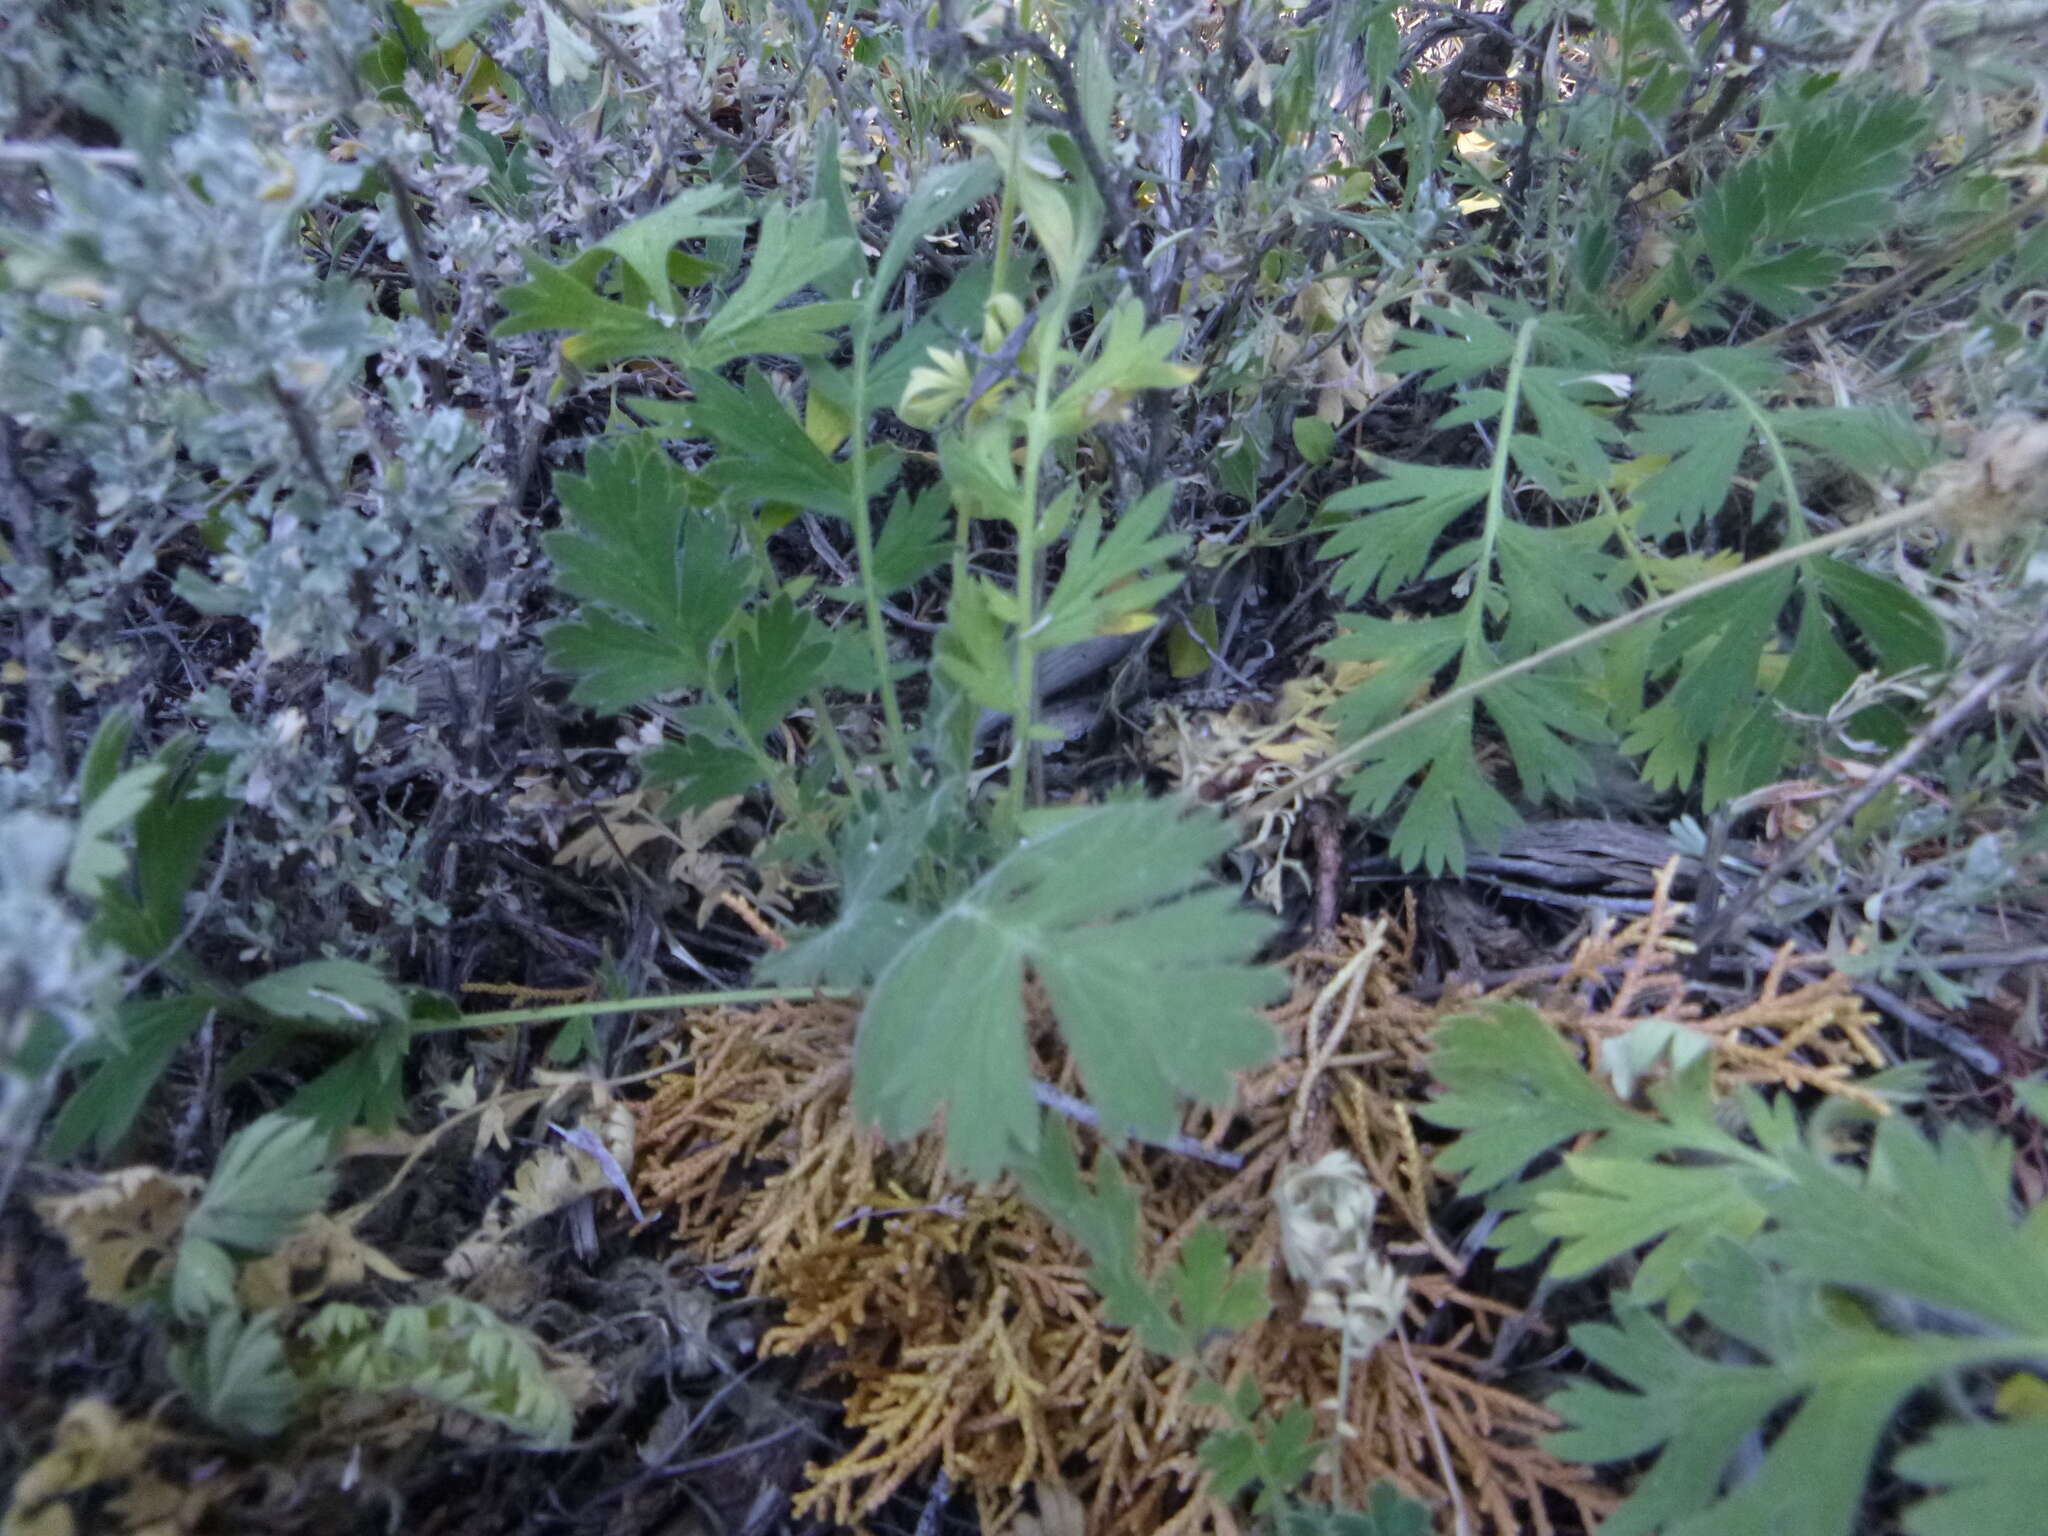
124,1229
324,1254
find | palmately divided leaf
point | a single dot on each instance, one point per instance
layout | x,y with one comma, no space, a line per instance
1720,640
272,1175
237,1375
1993,1477
792,250
645,243
699,771
1109,576
1822,1272
915,540
97,857
560,298
1146,965
1772,228
455,1352
878,851
1451,802
1677,1179
1412,505
1515,1089
172,835
1175,1311
148,1033
764,453
663,574
1847,1377
1104,1220
1931,1220
779,653
940,195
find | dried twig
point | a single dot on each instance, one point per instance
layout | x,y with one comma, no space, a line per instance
1935,731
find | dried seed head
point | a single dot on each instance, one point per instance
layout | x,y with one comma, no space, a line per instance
1326,1213
1998,487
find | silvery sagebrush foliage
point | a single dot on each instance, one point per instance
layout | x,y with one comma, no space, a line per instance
219,397
50,972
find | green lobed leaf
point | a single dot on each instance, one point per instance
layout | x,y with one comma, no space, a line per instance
202,1280
1451,802
452,1351
1277,1452
916,539
645,243
791,251
172,835
1842,1378
878,851
699,771
104,755
364,1087
764,453
1993,1477
664,575
1111,575
1198,1293
97,855
1413,505
346,996
973,651
1146,966
941,196
1772,228
147,1034
778,655
237,1375
1515,1089
1387,1512
1846,1290
272,1174
560,298
1104,1220
1930,1220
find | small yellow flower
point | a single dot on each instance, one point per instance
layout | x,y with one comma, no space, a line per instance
935,388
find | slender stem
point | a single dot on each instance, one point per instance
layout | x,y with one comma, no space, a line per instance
1343,1414
1497,494
1927,737
661,1002
864,537
1035,444
1791,554
1795,508
835,743
780,784
1006,216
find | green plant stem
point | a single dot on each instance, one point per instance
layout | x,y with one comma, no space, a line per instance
780,783
864,539
1343,1417
1028,553
1496,496
842,760
1795,507
1792,554
1006,216
658,1003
